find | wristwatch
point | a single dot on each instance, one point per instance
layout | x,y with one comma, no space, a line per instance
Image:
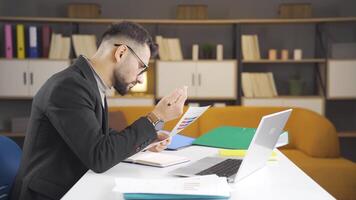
157,123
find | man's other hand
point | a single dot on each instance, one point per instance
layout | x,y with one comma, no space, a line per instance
164,140
171,106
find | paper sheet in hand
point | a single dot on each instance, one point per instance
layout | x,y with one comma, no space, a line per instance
192,114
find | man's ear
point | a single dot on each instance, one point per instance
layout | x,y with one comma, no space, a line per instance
120,52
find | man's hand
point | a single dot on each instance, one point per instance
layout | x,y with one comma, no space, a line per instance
164,139
171,107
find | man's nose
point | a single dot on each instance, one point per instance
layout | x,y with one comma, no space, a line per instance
140,78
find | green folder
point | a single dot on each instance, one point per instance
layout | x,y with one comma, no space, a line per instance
227,137
132,196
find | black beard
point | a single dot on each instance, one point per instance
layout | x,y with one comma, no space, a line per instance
121,87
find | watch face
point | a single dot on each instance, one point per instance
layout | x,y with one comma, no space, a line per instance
159,125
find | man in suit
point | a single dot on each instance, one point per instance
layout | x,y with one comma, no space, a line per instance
68,130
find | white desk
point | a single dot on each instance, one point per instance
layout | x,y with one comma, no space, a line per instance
278,180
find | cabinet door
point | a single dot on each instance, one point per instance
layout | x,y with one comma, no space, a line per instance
217,79
13,78
171,75
315,104
41,70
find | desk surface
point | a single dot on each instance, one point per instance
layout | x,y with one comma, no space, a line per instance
278,180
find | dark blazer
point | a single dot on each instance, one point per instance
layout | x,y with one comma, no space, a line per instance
68,134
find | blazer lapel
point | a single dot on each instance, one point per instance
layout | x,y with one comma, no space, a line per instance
87,72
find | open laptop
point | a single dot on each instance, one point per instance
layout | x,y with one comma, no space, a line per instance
260,149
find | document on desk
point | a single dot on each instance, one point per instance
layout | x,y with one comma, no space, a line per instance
203,186
192,114
156,159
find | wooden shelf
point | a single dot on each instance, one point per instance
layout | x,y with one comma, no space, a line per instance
132,96
347,134
8,134
298,21
286,97
176,21
266,61
45,59
15,98
203,60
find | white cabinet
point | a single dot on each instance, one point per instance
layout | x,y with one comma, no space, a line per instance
315,104
205,79
341,81
13,78
23,78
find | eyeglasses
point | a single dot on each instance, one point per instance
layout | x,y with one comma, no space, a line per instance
145,67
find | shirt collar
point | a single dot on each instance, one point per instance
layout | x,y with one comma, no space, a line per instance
101,84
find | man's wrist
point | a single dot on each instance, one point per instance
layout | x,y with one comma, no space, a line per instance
155,120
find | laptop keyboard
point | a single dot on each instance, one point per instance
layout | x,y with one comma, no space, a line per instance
225,168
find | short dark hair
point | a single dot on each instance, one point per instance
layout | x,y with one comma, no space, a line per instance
132,31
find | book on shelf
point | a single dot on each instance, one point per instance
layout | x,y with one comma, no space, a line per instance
60,47
258,84
27,41
84,44
33,50
46,38
20,41
250,47
169,49
8,41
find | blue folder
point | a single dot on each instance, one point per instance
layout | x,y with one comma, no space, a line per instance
180,141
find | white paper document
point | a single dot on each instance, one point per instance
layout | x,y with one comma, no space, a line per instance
199,185
156,159
192,114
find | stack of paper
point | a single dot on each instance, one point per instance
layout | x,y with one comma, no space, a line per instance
202,187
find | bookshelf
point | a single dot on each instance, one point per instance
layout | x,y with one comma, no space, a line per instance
236,26
347,134
175,21
235,23
266,61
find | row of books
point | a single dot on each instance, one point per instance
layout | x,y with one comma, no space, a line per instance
61,46
258,84
169,49
26,42
250,47
40,42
